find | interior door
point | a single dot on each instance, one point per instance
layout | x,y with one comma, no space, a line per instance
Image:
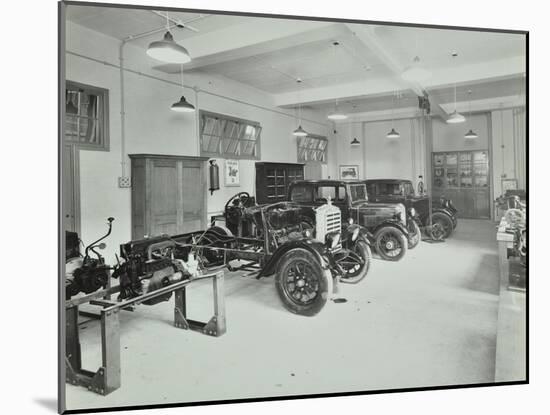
69,189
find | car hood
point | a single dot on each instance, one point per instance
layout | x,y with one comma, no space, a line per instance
373,205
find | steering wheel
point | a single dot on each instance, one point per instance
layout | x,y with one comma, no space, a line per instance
234,206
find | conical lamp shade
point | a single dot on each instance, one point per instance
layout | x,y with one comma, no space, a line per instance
470,134
182,106
393,134
337,115
455,118
166,50
355,142
299,132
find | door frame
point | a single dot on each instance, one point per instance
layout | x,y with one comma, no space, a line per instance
75,171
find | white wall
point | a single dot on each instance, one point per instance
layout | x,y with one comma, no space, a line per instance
508,147
152,128
450,137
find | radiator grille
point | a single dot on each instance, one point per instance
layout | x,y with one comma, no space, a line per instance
327,219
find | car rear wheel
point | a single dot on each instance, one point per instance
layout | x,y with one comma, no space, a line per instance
414,234
391,244
442,226
302,284
356,267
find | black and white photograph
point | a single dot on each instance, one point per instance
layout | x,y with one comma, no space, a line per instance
259,207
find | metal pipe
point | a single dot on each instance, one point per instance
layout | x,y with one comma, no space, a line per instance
122,112
106,63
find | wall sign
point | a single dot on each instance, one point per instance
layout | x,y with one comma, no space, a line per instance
232,177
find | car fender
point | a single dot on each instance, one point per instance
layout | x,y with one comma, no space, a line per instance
315,247
394,224
440,210
364,235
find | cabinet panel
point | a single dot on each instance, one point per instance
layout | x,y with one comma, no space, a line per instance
272,180
168,195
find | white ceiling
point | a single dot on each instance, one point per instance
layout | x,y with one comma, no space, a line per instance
362,71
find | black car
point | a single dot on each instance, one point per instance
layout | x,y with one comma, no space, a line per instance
386,224
443,220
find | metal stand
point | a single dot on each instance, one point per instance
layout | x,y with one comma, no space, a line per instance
108,377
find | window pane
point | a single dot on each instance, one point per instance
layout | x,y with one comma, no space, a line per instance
205,142
208,125
213,146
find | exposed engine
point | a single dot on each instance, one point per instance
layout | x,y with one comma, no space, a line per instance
152,263
84,273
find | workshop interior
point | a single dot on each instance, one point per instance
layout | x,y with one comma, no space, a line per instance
275,206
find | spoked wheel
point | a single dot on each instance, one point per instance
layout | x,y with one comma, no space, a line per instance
442,226
414,234
391,243
357,264
303,286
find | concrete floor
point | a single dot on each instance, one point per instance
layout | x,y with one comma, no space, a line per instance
430,319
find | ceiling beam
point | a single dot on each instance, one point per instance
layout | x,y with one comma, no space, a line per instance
249,40
366,35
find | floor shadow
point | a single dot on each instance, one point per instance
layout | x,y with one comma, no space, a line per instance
48,403
486,277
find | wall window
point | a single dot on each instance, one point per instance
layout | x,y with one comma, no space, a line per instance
86,116
312,148
229,137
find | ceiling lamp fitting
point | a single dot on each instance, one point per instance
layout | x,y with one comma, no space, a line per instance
470,134
393,134
337,115
182,106
299,132
167,50
455,118
415,72
355,142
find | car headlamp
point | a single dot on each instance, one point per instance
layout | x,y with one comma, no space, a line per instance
350,221
335,240
355,234
307,233
412,211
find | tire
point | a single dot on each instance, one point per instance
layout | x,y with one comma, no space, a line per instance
414,234
442,226
297,267
391,244
356,273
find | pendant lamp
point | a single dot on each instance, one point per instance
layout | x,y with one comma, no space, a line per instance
336,114
182,105
355,142
455,117
299,132
393,133
167,50
416,72
470,134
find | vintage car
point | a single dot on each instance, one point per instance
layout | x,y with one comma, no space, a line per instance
386,224
308,261
443,220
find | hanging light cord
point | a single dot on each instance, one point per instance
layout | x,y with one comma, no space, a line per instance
167,22
182,87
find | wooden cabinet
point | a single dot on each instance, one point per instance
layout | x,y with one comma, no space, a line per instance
168,194
463,177
272,180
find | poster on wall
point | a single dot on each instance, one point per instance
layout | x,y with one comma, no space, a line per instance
349,172
232,173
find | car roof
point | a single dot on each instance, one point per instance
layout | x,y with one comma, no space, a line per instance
329,181
387,181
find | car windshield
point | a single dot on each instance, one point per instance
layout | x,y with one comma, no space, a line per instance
358,192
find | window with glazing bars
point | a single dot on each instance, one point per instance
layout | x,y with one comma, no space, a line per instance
229,137
86,116
312,148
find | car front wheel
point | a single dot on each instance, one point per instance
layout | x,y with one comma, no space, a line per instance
356,266
442,226
302,284
391,244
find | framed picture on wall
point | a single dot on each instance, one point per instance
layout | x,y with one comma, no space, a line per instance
349,172
509,184
231,173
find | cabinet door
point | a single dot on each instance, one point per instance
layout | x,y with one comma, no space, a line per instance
163,197
192,197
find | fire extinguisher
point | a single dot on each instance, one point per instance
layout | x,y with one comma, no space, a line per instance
214,172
